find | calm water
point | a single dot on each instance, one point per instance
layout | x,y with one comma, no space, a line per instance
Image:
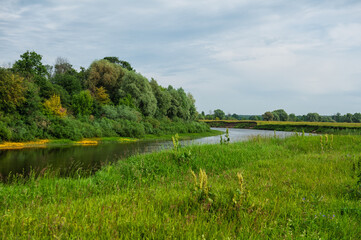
69,158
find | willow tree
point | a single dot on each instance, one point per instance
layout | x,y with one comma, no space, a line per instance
163,98
139,89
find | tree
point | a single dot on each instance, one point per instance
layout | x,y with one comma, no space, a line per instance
254,118
53,106
283,116
292,117
356,118
105,74
123,64
69,82
12,90
163,98
348,117
83,103
218,113
267,116
30,65
101,95
141,92
62,66
313,117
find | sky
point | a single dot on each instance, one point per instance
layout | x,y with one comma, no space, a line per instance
241,56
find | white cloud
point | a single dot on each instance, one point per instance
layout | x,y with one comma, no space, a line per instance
240,55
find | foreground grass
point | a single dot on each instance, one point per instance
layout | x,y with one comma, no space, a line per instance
299,187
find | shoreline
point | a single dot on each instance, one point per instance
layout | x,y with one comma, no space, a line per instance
44,143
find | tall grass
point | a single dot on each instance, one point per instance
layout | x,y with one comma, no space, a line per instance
298,187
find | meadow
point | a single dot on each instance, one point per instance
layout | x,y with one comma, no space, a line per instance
311,127
297,187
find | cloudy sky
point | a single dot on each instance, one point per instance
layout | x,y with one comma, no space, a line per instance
242,56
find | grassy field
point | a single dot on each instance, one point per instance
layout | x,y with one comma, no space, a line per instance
298,187
328,124
315,127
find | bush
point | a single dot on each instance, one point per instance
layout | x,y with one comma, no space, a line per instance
120,112
5,132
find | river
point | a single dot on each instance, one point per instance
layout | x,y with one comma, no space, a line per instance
67,159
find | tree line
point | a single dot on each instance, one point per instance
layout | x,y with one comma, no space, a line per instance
282,115
109,98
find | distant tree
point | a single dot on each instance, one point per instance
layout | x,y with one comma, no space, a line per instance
12,90
218,113
356,118
292,117
326,119
337,117
267,116
348,117
276,117
283,116
30,65
254,118
313,117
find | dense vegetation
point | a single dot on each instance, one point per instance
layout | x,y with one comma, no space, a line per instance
282,115
266,188
107,99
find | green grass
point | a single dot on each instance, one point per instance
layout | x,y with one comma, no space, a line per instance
298,187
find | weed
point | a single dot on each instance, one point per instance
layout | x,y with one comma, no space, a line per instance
180,156
201,189
226,138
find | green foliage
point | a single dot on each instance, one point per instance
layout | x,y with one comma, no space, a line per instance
30,65
12,91
127,101
123,64
268,116
163,98
120,112
280,114
143,108
218,113
105,74
69,82
313,117
82,103
5,132
140,90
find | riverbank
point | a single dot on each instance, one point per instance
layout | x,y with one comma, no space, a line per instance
95,141
309,127
263,188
